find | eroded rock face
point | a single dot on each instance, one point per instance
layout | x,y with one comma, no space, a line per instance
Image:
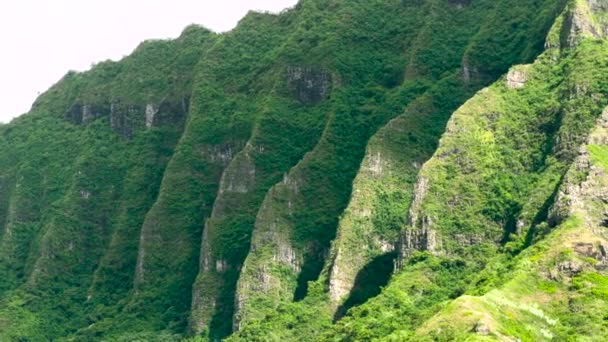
424,239
580,23
419,236
597,251
482,328
598,5
81,113
151,112
123,118
286,255
308,84
469,72
269,274
584,195
241,177
170,112
584,181
238,179
339,287
126,119
516,79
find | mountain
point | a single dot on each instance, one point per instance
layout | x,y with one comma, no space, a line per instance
390,170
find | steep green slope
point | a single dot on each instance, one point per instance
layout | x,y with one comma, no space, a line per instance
291,244
486,195
83,168
289,120
261,183
556,289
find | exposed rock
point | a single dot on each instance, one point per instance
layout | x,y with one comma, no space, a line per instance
151,111
205,259
597,6
222,153
469,72
292,183
575,192
591,250
580,23
84,194
570,268
520,225
238,179
270,271
422,187
171,112
240,176
124,118
339,287
584,181
421,239
516,78
347,264
376,164
221,266
141,255
84,113
419,236
603,251
286,255
601,139
261,282
310,85
481,328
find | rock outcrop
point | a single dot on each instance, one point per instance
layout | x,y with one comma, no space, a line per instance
84,113
584,20
517,78
310,85
204,185
273,264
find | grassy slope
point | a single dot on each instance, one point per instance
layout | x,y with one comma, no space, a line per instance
556,288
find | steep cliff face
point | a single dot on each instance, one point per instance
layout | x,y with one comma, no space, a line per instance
333,172
480,143
79,188
384,189
555,288
496,186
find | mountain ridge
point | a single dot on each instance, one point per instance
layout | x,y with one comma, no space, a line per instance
259,184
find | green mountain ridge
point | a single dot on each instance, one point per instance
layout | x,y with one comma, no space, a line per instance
391,170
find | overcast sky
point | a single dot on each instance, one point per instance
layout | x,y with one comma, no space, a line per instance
40,40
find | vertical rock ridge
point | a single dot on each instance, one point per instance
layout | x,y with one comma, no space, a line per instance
238,179
21,226
273,264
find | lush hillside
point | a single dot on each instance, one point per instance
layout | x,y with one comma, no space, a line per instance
343,171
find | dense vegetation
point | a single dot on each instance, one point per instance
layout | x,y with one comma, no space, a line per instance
335,172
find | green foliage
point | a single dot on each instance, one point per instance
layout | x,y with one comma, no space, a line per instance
498,165
364,104
129,195
599,155
413,295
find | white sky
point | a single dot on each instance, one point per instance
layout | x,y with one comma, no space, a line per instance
40,40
